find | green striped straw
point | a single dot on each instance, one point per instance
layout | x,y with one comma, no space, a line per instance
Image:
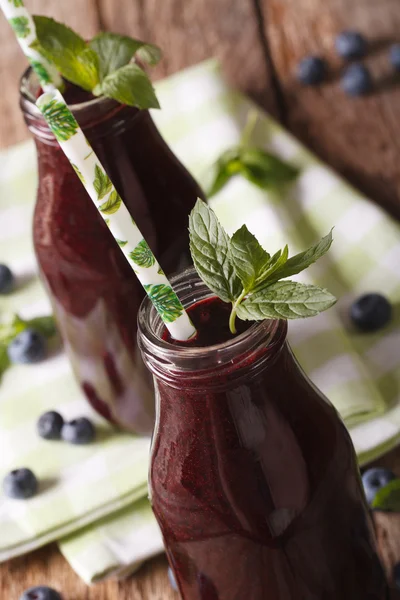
111,207
24,28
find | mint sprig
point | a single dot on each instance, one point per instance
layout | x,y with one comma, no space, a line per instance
9,330
238,270
260,167
102,66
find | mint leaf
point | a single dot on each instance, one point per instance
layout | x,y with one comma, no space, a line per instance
142,255
61,121
115,51
4,360
68,51
129,85
165,300
102,183
285,300
16,3
388,497
277,262
209,246
227,165
265,169
121,243
249,258
301,261
20,26
112,204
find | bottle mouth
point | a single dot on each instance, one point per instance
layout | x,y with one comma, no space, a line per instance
258,344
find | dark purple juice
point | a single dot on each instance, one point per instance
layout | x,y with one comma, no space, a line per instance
94,292
253,478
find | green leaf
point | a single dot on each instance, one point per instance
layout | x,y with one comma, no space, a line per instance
142,255
223,170
16,3
149,53
60,120
44,325
20,26
165,300
77,171
285,300
249,258
160,271
121,243
4,360
112,204
301,261
68,51
388,497
129,85
115,51
277,261
265,169
102,183
209,246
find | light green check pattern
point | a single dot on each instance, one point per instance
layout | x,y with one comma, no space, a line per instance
200,118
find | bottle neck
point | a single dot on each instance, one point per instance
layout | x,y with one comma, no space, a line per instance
98,117
213,367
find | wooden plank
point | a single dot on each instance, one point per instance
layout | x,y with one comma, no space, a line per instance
359,137
189,31
79,14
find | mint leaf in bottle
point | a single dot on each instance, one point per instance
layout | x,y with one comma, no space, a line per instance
129,85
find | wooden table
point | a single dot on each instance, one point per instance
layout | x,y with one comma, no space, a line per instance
259,43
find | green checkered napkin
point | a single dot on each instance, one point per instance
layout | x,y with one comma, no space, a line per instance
200,118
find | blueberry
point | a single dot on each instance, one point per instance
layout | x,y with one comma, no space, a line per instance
396,576
351,44
172,579
78,431
49,425
6,279
394,56
311,70
356,80
371,312
375,479
29,346
40,593
20,484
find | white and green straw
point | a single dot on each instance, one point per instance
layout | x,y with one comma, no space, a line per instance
24,28
111,207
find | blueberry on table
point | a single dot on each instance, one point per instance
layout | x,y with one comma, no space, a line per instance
78,431
41,593
351,44
29,346
49,425
311,70
172,579
20,484
6,279
394,56
371,312
375,479
356,80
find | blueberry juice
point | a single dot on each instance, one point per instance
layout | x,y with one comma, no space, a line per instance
94,292
253,476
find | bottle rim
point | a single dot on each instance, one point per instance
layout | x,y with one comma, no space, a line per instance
256,346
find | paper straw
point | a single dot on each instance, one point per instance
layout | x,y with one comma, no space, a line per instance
111,207
24,28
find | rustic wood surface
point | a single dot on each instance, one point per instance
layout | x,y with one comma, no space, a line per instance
259,43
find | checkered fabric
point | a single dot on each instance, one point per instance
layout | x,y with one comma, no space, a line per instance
360,373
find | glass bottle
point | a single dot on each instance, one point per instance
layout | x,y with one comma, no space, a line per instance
253,476
94,292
